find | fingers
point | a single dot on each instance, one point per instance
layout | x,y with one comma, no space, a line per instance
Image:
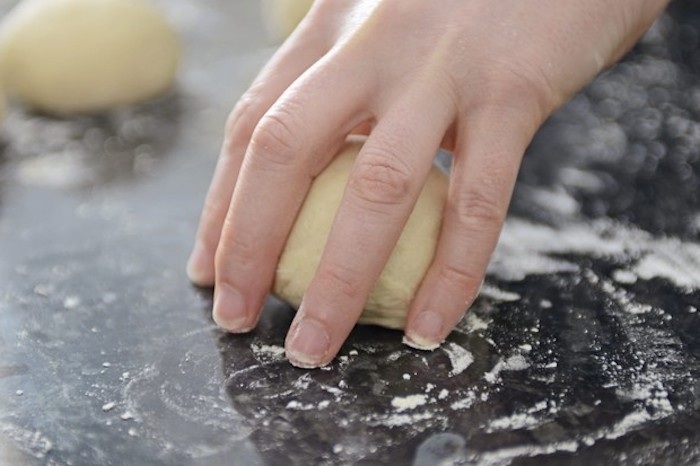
383,187
291,144
285,67
489,149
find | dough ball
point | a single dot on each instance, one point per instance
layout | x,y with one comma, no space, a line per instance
389,300
85,56
282,16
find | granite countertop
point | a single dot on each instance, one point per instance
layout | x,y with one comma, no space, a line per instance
583,348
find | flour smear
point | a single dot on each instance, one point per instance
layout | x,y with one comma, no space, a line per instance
526,249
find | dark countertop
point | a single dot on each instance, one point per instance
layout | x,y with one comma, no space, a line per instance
584,347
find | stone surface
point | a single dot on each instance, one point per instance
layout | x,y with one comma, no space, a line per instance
583,348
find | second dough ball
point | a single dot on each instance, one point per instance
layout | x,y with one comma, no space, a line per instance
283,16
392,294
84,56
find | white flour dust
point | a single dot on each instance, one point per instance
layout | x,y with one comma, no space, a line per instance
267,353
460,358
516,362
526,249
532,417
403,403
497,294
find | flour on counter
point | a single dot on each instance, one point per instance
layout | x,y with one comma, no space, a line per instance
267,353
108,406
403,403
397,420
527,248
71,302
464,403
497,294
513,363
460,358
475,323
534,416
298,406
625,277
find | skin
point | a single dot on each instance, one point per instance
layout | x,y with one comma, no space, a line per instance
476,77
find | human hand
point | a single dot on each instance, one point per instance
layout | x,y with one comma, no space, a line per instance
476,77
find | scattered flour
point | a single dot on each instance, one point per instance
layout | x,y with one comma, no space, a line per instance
403,403
397,420
558,200
516,362
460,358
465,402
71,302
526,249
533,417
526,347
475,323
498,294
267,353
108,406
674,260
626,277
515,422
299,406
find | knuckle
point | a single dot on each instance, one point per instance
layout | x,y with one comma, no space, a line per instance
460,277
245,105
242,120
477,210
505,83
276,141
342,280
382,179
235,251
517,84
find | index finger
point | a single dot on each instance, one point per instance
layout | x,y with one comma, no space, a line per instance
288,147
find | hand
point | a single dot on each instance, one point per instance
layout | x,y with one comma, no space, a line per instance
477,77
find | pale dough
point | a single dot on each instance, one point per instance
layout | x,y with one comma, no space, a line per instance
282,16
84,56
388,303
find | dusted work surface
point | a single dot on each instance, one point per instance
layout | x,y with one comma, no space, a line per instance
583,348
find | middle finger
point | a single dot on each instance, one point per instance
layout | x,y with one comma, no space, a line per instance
383,187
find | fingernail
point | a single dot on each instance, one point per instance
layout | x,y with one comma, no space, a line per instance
426,331
200,266
230,312
308,345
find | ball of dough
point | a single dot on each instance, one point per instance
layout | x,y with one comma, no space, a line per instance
85,56
282,16
389,300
